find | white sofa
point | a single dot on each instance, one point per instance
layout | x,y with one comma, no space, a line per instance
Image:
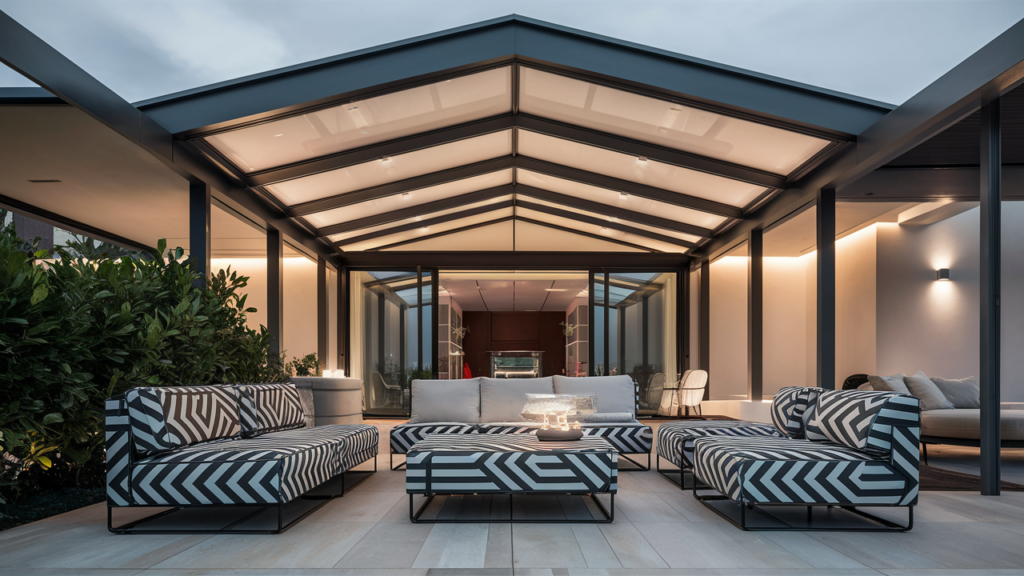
494,406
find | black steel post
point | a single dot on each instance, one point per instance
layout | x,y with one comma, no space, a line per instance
275,291
323,305
591,347
435,285
704,330
755,315
343,315
683,321
991,252
419,318
199,248
607,332
826,242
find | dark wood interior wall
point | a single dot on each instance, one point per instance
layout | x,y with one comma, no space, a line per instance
514,331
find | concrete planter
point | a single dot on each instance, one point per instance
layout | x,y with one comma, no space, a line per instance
335,400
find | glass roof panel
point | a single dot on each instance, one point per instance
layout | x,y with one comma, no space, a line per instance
420,232
599,230
636,169
425,216
365,122
663,231
615,198
664,123
394,168
410,199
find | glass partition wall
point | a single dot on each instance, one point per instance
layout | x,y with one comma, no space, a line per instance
634,330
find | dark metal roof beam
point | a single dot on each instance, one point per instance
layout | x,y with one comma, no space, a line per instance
606,210
440,234
603,223
641,190
471,260
407,185
426,223
587,234
418,210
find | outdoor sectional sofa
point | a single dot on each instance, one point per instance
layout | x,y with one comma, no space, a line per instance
494,406
838,449
236,446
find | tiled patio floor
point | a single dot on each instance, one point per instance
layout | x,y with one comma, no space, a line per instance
658,530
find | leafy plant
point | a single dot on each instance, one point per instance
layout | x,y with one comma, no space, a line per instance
308,365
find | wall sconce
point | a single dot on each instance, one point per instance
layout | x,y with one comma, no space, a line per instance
942,274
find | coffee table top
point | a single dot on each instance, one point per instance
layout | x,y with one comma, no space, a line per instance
504,443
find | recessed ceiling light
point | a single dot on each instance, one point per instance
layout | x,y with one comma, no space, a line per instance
278,135
623,196
406,196
386,162
556,289
424,229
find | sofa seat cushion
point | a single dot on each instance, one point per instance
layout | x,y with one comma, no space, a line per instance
269,408
270,469
164,419
864,420
445,401
778,470
965,424
502,399
355,443
789,408
404,436
675,439
614,393
627,437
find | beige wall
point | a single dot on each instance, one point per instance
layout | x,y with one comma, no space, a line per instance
727,375
785,323
855,305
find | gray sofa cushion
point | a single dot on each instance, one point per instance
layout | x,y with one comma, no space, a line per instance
892,383
925,390
961,392
966,424
445,401
502,399
614,393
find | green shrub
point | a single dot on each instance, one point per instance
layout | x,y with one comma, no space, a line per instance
90,324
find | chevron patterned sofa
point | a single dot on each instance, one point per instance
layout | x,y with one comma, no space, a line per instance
836,448
494,406
227,445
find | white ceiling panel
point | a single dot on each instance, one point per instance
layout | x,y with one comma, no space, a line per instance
425,216
535,238
665,123
637,169
365,122
393,168
600,231
446,227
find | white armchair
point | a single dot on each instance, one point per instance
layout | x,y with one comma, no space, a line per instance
691,389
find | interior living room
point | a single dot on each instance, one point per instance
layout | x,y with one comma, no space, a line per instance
518,298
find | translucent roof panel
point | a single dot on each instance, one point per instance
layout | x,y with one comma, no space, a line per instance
599,230
366,122
410,199
617,199
636,169
425,216
664,123
427,231
662,231
393,168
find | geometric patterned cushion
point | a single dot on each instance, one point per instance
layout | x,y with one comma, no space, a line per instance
634,438
789,406
783,470
268,408
167,418
861,419
675,439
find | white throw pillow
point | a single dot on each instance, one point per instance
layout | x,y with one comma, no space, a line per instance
445,401
614,393
502,399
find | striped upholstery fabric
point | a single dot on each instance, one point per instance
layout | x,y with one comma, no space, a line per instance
784,470
487,463
675,439
627,438
789,407
269,407
862,420
166,418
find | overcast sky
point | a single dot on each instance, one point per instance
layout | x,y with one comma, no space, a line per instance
885,50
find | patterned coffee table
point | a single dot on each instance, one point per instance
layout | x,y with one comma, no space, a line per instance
511,464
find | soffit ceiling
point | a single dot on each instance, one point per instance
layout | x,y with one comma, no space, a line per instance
480,158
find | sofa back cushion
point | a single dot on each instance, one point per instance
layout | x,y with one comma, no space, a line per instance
268,408
961,393
163,419
446,401
614,393
862,420
502,399
789,409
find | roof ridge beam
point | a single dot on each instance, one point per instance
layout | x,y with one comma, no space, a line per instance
426,223
418,210
603,223
607,210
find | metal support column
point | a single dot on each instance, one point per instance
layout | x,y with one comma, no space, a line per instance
683,318
826,242
991,198
199,249
419,318
435,308
275,291
755,315
343,307
704,330
323,305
